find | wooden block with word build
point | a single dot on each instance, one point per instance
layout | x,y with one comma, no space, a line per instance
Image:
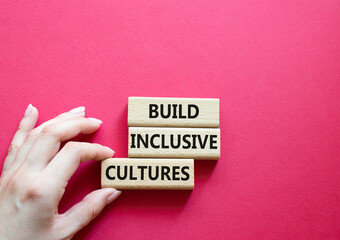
197,143
132,173
173,112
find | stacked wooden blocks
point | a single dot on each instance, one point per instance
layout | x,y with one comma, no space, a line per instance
165,136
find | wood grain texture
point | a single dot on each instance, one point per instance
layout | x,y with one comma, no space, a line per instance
141,173
180,113
197,143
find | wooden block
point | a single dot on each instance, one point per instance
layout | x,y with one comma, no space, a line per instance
197,143
130,173
173,112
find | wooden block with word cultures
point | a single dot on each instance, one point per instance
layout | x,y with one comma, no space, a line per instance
173,112
141,173
197,143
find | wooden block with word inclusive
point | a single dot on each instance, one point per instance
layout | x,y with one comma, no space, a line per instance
173,112
197,143
132,173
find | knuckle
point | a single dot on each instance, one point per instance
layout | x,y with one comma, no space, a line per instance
73,146
23,126
13,183
49,130
32,134
13,147
93,213
34,191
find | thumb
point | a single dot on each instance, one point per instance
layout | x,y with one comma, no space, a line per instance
86,210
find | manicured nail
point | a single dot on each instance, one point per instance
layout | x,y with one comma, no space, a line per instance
113,152
77,110
113,196
28,109
95,120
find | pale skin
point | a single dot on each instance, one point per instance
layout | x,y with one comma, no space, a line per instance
36,172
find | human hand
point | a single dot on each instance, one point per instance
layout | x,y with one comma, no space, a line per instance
35,174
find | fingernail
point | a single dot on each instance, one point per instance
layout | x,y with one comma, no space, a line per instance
28,110
113,196
113,152
95,120
77,110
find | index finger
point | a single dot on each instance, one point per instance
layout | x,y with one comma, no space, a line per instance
48,142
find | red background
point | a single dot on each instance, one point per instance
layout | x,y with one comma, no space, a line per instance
275,65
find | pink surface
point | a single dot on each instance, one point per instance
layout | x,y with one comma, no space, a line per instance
275,65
